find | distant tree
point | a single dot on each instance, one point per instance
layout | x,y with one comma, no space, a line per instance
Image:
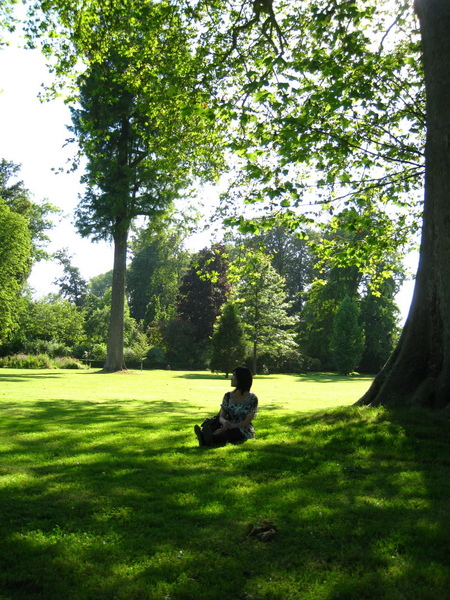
347,342
228,341
322,301
336,280
178,344
18,199
154,275
72,286
291,257
97,312
144,149
15,252
203,290
100,284
139,275
380,319
261,295
52,320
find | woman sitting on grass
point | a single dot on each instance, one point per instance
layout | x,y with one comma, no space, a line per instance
238,409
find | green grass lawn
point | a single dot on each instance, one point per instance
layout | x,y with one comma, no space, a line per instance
105,495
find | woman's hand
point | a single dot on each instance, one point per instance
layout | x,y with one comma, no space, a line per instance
226,424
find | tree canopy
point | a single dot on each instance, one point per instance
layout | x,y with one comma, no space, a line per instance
204,289
23,227
337,121
325,100
347,342
19,199
7,20
260,294
15,250
72,285
135,120
228,341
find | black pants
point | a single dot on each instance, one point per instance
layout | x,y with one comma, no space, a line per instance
227,435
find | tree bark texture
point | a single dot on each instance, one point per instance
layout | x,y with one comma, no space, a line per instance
418,372
114,359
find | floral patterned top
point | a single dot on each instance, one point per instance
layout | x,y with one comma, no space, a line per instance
238,411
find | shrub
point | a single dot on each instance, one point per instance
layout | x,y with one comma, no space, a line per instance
137,349
98,352
82,351
315,365
39,361
287,361
156,355
68,363
26,361
51,348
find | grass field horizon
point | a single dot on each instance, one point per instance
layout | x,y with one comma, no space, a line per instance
105,494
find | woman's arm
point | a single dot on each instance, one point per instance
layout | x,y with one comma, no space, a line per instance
226,424
246,422
223,417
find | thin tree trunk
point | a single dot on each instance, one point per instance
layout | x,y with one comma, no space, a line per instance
418,372
114,360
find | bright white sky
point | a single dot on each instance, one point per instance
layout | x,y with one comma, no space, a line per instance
33,134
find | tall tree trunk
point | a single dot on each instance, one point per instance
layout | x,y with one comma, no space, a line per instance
114,359
418,372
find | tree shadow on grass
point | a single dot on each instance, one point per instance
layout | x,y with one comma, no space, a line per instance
215,376
10,377
380,487
116,505
300,377
200,376
331,377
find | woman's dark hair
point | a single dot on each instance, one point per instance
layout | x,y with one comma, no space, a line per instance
244,379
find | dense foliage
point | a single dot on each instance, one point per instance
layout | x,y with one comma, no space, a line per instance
15,253
228,341
204,289
23,226
154,274
261,295
229,306
347,341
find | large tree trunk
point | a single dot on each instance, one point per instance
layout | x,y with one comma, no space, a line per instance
114,359
418,372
